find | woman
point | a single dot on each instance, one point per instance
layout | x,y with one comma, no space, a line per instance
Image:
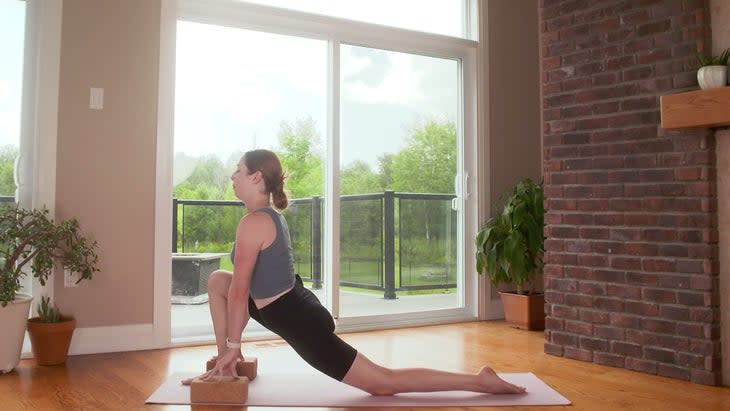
263,286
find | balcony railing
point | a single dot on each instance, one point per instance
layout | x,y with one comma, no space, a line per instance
388,241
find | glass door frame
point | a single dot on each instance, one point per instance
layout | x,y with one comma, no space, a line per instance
336,31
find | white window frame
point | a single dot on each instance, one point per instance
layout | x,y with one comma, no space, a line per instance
336,31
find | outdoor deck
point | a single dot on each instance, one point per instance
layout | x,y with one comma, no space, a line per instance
192,321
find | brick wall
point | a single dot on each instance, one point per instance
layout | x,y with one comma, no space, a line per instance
631,273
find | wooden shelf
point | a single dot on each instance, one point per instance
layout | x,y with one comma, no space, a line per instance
701,108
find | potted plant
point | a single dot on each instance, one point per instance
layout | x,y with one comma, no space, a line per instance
50,334
510,247
31,240
713,70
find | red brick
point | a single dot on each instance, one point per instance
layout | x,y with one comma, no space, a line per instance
626,349
623,291
655,264
642,308
594,344
624,320
553,349
594,317
676,372
609,359
637,364
659,295
579,327
578,300
658,326
578,354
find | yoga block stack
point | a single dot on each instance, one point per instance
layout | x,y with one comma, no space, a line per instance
246,368
219,390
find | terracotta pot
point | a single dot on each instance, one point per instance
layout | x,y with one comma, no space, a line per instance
50,341
524,311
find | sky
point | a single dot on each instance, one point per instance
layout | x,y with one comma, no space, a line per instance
12,24
233,97
237,100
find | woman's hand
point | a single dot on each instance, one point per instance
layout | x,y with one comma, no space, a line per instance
225,366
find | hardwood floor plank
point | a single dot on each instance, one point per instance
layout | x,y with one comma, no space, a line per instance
123,381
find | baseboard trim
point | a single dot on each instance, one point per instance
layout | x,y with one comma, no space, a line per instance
93,340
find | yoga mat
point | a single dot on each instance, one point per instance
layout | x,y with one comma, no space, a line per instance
318,390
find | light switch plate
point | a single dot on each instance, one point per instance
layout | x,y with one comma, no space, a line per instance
96,98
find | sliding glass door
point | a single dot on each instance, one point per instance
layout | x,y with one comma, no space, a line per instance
371,125
398,164
252,90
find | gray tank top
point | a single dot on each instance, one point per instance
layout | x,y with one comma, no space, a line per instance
274,269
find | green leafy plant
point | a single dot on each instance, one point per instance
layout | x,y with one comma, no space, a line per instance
30,238
510,246
47,312
710,60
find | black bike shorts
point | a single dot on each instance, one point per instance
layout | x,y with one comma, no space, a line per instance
300,319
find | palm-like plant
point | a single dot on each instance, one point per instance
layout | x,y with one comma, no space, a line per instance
510,246
710,60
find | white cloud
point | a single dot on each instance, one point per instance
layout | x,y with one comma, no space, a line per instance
401,84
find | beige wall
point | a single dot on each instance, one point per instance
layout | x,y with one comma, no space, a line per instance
105,171
514,95
720,22
515,139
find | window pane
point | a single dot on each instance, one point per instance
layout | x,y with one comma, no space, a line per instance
12,31
432,16
398,157
251,90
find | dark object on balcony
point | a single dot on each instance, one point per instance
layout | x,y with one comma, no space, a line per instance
190,272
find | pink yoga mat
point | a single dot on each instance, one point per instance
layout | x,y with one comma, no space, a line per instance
317,390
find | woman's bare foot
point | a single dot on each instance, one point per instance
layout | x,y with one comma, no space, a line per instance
492,384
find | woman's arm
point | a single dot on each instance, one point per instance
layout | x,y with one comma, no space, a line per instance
252,233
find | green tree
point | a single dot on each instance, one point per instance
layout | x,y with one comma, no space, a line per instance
301,157
428,162
208,180
426,165
358,178
8,154
385,168
207,228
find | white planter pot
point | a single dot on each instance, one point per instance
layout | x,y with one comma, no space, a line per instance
13,320
712,76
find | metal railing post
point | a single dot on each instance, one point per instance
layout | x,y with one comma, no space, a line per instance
389,234
316,242
174,225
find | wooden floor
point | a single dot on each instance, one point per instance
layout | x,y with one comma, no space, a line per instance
123,381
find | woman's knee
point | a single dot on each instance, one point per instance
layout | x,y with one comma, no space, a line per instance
219,281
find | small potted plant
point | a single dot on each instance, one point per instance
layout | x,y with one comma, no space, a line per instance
510,247
50,334
31,240
713,70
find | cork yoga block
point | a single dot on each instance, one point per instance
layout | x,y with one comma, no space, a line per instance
248,367
219,390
